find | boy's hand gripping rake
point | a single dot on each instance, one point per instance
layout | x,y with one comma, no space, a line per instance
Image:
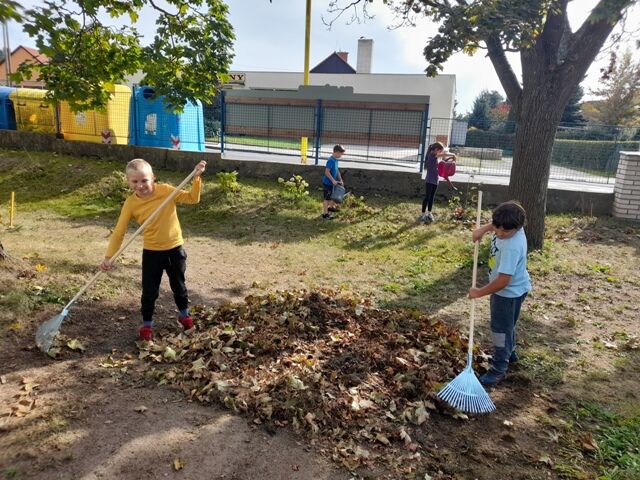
465,392
47,332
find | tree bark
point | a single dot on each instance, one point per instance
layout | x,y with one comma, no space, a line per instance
539,116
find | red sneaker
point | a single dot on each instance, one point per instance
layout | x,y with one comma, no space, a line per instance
145,334
186,322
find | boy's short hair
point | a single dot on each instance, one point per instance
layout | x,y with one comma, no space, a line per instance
339,148
509,216
138,165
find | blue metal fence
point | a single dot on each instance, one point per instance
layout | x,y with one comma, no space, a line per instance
372,133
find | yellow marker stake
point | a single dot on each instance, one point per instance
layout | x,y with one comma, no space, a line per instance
12,207
307,41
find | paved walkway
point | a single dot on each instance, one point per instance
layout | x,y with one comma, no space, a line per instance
462,175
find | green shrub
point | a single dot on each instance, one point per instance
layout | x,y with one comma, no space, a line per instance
296,188
228,181
490,139
598,132
593,155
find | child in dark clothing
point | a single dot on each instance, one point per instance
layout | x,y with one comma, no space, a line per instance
434,152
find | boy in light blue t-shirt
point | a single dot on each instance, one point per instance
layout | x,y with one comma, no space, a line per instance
508,285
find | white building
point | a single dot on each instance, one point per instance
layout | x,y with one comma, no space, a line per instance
441,90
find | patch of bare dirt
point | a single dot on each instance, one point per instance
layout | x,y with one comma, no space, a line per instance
93,418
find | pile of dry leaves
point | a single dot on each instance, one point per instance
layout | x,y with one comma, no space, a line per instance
357,379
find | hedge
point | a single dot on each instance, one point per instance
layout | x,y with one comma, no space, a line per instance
593,155
490,139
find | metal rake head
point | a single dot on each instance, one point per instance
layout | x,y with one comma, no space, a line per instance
46,333
466,393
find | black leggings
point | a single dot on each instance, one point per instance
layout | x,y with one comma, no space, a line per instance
154,264
429,195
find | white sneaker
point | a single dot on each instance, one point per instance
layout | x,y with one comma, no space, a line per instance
428,218
422,218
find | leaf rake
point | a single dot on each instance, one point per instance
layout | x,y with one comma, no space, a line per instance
465,392
46,333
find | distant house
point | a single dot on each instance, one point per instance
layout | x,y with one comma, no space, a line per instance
19,56
334,63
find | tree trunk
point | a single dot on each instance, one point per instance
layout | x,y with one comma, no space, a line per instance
539,116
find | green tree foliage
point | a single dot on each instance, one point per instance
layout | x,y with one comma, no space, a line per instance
486,101
190,53
554,60
572,114
9,10
619,95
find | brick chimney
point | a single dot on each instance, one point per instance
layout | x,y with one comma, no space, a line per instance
343,55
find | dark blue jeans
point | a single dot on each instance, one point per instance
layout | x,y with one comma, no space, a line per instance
504,316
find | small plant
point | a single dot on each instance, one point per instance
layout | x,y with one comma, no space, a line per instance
458,204
600,268
11,473
228,182
296,188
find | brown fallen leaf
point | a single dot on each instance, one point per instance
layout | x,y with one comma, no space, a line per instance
178,464
587,442
141,409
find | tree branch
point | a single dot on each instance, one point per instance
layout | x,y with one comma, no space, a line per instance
555,28
505,73
585,44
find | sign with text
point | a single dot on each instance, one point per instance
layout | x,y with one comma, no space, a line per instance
235,79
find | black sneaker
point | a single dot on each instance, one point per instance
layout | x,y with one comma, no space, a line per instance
327,216
333,209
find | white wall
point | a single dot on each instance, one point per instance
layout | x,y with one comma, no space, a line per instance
441,89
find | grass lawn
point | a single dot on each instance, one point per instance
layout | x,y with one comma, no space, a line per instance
570,409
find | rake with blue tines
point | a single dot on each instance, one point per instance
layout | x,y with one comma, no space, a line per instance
465,392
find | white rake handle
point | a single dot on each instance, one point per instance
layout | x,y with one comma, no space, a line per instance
135,234
474,275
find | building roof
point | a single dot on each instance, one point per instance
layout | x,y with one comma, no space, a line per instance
334,63
33,53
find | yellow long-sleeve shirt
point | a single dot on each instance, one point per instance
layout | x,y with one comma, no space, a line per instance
163,232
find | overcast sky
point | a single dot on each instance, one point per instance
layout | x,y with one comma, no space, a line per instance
270,36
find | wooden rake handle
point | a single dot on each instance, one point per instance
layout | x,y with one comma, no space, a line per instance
474,276
153,215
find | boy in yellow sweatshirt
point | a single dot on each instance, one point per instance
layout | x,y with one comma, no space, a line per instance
163,241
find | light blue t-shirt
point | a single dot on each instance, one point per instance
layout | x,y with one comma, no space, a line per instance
509,256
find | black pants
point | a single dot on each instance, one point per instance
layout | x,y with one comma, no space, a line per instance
154,263
429,195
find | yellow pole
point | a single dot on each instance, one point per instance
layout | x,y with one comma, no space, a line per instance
307,41
12,207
